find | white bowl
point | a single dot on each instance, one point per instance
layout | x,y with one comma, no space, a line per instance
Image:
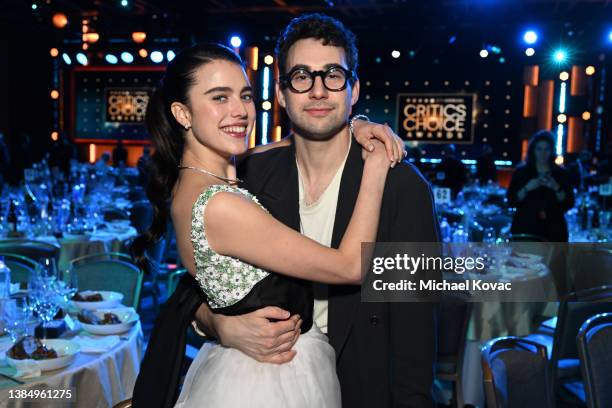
66,351
128,317
111,300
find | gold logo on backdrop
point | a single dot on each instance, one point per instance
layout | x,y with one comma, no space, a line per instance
435,118
126,105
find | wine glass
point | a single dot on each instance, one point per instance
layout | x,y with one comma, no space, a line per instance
46,300
16,316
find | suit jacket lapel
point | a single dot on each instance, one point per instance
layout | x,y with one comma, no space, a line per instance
342,307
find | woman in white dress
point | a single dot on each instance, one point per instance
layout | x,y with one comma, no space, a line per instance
199,120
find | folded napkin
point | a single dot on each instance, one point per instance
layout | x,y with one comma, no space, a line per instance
96,344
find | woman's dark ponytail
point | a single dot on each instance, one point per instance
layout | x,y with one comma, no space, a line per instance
168,138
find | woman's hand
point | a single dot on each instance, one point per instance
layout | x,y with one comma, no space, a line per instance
366,133
377,158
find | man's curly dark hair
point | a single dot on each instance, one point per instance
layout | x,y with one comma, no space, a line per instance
320,27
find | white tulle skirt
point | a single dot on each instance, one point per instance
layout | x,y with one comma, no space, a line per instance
224,377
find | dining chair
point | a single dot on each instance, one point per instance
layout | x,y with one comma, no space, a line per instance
595,351
173,279
515,374
574,310
30,248
453,319
21,266
589,268
110,271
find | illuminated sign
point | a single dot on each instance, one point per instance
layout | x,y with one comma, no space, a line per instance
126,105
436,118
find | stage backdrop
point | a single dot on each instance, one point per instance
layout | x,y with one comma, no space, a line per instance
109,103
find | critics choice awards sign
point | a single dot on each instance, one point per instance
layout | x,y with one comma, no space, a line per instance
435,118
126,105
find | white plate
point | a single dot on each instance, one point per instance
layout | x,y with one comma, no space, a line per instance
111,300
128,317
66,351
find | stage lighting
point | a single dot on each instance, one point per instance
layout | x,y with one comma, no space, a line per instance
54,94
34,6
59,20
610,36
268,60
143,53
395,54
235,41
484,53
586,115
139,36
170,55
111,59
266,105
157,57
127,57
82,58
124,3
561,118
590,70
564,76
530,37
502,60
54,52
529,52
560,56
66,58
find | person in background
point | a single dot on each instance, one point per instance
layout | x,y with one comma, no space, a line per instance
119,154
451,171
103,162
5,160
541,191
485,165
143,164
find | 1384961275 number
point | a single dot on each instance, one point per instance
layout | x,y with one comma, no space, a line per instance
66,394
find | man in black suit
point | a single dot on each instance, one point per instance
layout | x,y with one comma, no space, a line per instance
385,351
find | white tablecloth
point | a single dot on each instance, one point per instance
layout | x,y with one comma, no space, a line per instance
100,241
101,380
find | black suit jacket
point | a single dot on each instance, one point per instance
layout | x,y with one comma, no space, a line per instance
385,351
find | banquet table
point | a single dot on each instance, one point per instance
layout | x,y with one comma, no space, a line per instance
75,246
98,380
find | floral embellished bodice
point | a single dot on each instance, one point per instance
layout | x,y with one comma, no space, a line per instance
224,280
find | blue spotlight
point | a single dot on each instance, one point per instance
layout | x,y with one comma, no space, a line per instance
111,59
235,41
127,57
124,3
82,58
530,37
560,56
66,58
610,36
157,57
170,55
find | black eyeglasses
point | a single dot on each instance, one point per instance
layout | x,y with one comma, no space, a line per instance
300,80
